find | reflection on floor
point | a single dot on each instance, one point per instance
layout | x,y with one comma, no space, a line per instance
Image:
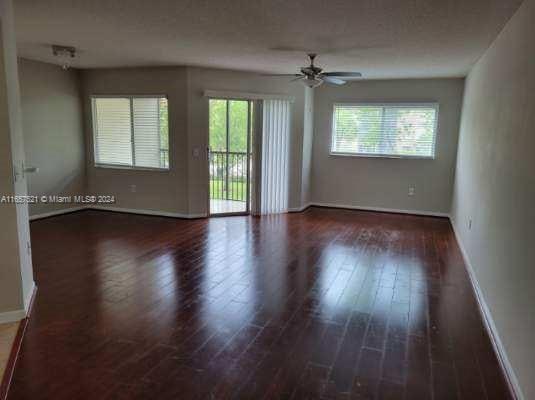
8,332
226,206
328,304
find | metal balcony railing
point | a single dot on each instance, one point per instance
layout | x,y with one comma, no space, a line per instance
228,175
164,158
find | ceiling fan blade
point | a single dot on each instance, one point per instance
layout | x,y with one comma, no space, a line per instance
332,79
298,78
287,75
291,49
347,75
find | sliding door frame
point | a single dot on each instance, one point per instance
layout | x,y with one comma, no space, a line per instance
256,136
251,155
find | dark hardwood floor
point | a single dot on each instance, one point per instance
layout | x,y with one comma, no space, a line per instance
326,304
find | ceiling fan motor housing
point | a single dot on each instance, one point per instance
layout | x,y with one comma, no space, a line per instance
311,70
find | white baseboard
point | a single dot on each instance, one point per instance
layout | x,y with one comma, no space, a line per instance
17,315
299,209
147,212
193,216
380,209
117,209
56,212
499,349
12,316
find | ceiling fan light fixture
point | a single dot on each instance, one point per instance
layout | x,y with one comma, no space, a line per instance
312,76
312,82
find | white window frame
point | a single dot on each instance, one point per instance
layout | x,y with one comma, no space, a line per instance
433,105
131,97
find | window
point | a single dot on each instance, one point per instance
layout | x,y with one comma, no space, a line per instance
131,131
385,130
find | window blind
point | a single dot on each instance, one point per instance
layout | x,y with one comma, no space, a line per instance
131,131
275,156
113,133
146,132
400,130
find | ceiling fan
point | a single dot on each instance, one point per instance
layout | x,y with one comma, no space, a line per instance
313,76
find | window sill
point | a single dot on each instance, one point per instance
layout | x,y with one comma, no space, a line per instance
388,156
128,168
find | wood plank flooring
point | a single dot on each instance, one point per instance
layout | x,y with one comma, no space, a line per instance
325,304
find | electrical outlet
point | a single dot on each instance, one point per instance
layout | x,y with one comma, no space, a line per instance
470,224
133,188
412,191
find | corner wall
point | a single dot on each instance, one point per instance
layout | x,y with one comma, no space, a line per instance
308,139
495,188
53,132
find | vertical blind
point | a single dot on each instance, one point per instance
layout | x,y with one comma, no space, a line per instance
131,131
398,130
275,156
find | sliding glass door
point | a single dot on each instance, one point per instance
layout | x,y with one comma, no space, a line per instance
229,158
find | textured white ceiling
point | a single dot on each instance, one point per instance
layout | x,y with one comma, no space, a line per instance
380,38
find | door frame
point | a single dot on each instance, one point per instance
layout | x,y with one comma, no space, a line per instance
251,190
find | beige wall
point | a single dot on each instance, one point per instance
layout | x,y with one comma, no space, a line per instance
308,139
53,132
16,277
315,176
495,187
165,191
183,190
383,182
